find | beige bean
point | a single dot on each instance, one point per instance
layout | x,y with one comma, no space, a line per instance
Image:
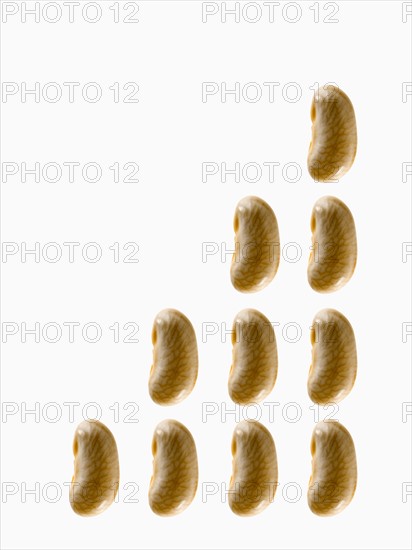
96,469
175,471
257,250
334,360
254,358
334,247
175,359
334,471
334,137
255,469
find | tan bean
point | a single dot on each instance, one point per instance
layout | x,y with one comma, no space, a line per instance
175,471
254,358
175,359
334,471
334,136
96,469
334,246
256,258
334,360
255,469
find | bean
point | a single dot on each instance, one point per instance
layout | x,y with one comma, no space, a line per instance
96,469
256,258
334,360
254,358
334,246
175,470
334,471
334,136
255,470
175,358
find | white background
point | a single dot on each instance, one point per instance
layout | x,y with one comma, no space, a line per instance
169,213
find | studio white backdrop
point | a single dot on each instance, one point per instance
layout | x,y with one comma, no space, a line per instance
117,127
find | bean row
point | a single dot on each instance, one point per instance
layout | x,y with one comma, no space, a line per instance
174,481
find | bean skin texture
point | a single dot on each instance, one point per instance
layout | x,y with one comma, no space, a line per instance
334,358
333,257
334,469
175,470
254,358
334,135
175,358
255,470
257,249
96,469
